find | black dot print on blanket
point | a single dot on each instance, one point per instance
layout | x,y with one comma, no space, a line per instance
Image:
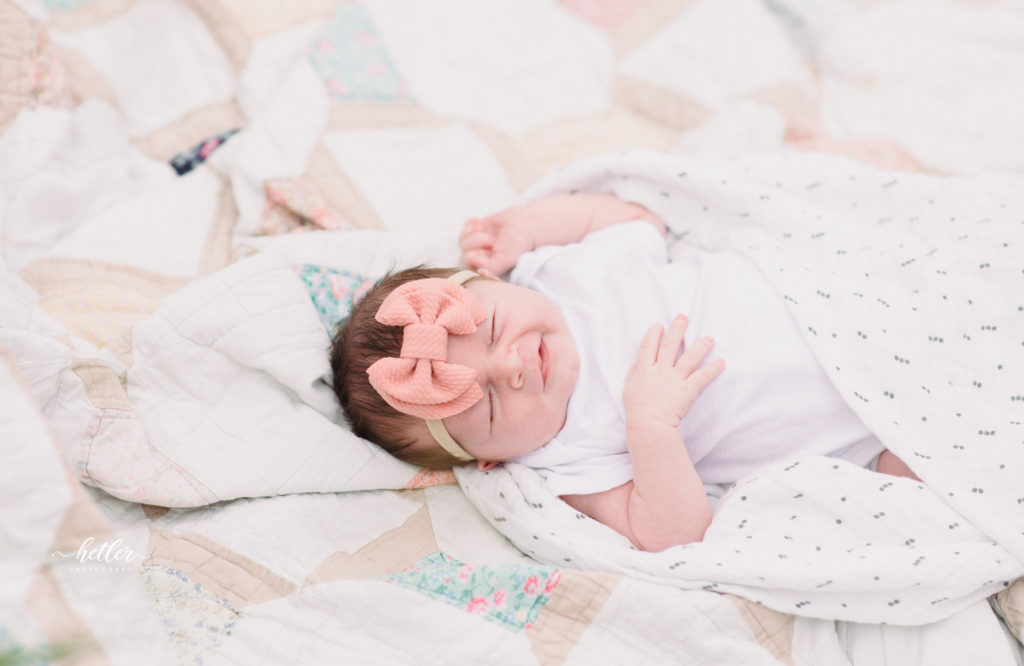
901,296
919,316
887,270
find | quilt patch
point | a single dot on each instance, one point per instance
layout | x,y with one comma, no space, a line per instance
333,292
293,204
349,56
509,595
187,160
196,619
65,5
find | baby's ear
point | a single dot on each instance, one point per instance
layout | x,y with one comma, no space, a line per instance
486,465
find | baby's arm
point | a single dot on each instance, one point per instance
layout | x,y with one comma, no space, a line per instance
664,505
889,463
495,242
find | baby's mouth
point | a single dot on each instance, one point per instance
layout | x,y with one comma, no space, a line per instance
545,365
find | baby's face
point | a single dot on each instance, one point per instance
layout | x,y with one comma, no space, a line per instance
527,366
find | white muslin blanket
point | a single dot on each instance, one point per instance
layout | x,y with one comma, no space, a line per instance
910,290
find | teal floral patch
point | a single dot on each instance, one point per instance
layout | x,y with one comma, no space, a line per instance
65,5
354,64
510,595
333,291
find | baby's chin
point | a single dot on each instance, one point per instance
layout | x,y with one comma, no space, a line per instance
546,439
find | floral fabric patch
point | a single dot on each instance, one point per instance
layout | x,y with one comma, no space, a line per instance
65,5
196,619
333,292
349,56
510,595
430,477
295,205
187,160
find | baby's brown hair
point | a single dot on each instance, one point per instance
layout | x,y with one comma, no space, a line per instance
359,342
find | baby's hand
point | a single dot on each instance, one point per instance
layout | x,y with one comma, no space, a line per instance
660,388
494,243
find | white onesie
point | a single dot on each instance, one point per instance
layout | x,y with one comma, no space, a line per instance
772,403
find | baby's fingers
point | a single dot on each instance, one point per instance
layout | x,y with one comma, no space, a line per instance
694,355
478,232
476,240
477,259
647,354
700,379
472,225
672,341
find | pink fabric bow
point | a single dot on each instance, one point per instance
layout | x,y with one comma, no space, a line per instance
420,381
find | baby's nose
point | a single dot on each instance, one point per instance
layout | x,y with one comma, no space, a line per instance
508,366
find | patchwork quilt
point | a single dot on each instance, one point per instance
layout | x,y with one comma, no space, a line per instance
192,194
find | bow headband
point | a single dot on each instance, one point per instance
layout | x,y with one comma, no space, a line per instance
420,381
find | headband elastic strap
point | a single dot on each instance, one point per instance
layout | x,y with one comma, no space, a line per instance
441,436
435,426
463,276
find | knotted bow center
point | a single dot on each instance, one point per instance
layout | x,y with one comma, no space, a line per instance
429,341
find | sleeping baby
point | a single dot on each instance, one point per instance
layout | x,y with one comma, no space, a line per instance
582,367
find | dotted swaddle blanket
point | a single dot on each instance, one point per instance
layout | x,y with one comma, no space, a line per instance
910,290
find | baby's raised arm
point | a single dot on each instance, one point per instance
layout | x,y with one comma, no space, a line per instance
664,505
494,243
